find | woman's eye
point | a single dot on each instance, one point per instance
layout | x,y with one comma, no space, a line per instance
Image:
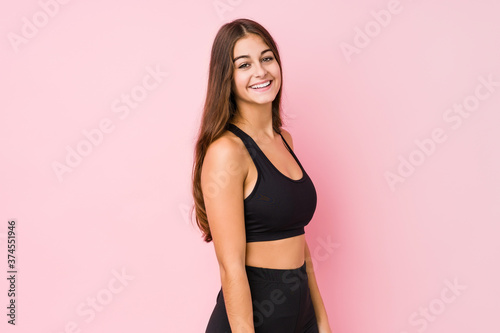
245,65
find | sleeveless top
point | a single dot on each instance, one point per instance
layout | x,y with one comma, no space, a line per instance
278,207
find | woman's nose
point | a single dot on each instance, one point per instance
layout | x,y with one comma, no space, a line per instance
260,70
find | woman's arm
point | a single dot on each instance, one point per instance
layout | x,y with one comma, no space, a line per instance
237,299
319,307
222,177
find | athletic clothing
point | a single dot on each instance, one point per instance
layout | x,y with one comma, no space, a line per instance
278,207
281,302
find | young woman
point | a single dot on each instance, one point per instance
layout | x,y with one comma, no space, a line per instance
252,196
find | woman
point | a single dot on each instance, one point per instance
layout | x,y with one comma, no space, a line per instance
252,196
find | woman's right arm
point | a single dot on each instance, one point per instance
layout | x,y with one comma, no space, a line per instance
222,177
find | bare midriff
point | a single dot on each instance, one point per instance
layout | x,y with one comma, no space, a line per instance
285,253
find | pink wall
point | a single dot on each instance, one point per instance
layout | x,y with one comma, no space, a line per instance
373,91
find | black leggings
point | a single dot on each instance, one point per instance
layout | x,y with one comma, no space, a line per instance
281,302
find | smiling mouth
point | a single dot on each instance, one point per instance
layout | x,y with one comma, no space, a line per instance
262,85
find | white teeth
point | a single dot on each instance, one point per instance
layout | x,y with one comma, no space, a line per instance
261,85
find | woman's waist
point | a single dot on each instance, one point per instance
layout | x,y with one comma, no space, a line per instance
285,253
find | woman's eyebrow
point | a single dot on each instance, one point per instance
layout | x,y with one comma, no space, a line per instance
246,56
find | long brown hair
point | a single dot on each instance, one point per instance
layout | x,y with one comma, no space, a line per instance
220,104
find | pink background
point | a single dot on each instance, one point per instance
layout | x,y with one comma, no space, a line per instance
123,209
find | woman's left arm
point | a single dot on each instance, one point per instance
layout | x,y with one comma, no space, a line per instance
319,307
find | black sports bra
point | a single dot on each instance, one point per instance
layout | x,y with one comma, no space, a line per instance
278,207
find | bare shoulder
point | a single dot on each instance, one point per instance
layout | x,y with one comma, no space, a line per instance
288,137
225,155
228,145
225,145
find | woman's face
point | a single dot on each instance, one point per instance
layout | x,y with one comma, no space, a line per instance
256,78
